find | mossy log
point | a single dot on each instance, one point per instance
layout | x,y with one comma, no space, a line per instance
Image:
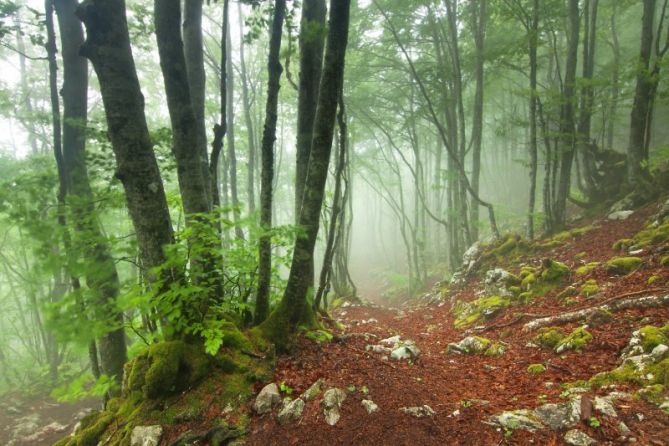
619,305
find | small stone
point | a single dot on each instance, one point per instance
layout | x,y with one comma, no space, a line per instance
313,391
560,416
660,352
146,435
370,406
605,406
392,341
576,437
268,397
419,411
470,344
331,402
623,428
456,413
292,411
406,351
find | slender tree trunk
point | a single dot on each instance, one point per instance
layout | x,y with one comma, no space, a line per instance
274,70
533,35
567,129
232,155
185,133
101,275
194,57
638,118
107,46
250,175
221,128
26,101
615,80
293,307
479,30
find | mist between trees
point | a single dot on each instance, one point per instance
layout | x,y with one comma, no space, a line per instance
173,168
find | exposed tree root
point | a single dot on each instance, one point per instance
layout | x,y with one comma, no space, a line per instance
613,305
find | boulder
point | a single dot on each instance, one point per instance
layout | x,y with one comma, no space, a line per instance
370,406
619,215
470,344
291,411
560,416
391,341
576,437
268,397
378,349
604,405
419,411
331,402
407,351
498,281
659,353
146,435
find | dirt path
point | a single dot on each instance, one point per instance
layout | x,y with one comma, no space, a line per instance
464,390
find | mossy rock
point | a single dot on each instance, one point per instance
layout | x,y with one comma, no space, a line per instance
654,394
466,313
92,433
652,336
623,244
576,341
652,235
554,271
587,268
623,265
526,271
549,337
528,281
664,261
536,369
548,245
590,288
626,373
581,255
652,279
495,350
319,336
660,372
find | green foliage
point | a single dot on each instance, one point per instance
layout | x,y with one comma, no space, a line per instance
85,386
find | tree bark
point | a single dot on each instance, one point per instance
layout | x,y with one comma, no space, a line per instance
101,275
167,19
293,307
107,46
274,70
194,57
636,171
232,155
250,174
533,35
479,30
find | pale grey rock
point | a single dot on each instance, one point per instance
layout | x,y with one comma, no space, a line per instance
604,405
406,351
391,341
419,411
517,419
576,437
470,344
268,397
146,435
659,353
331,402
560,416
620,215
378,349
497,283
370,406
291,411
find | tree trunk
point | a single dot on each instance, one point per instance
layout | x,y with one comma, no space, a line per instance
185,136
107,46
101,275
636,171
274,70
567,130
221,128
477,128
232,155
293,307
250,178
533,44
194,57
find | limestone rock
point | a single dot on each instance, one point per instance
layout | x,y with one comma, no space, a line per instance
497,282
291,411
378,349
419,411
331,402
604,404
407,351
560,416
313,391
391,341
660,352
517,419
620,215
370,406
576,437
146,435
267,398
470,344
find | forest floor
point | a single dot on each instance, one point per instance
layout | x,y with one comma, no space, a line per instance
464,390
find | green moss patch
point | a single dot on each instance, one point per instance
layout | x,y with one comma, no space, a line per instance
623,265
590,288
549,337
576,341
554,271
654,394
536,369
466,313
319,336
652,336
587,268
